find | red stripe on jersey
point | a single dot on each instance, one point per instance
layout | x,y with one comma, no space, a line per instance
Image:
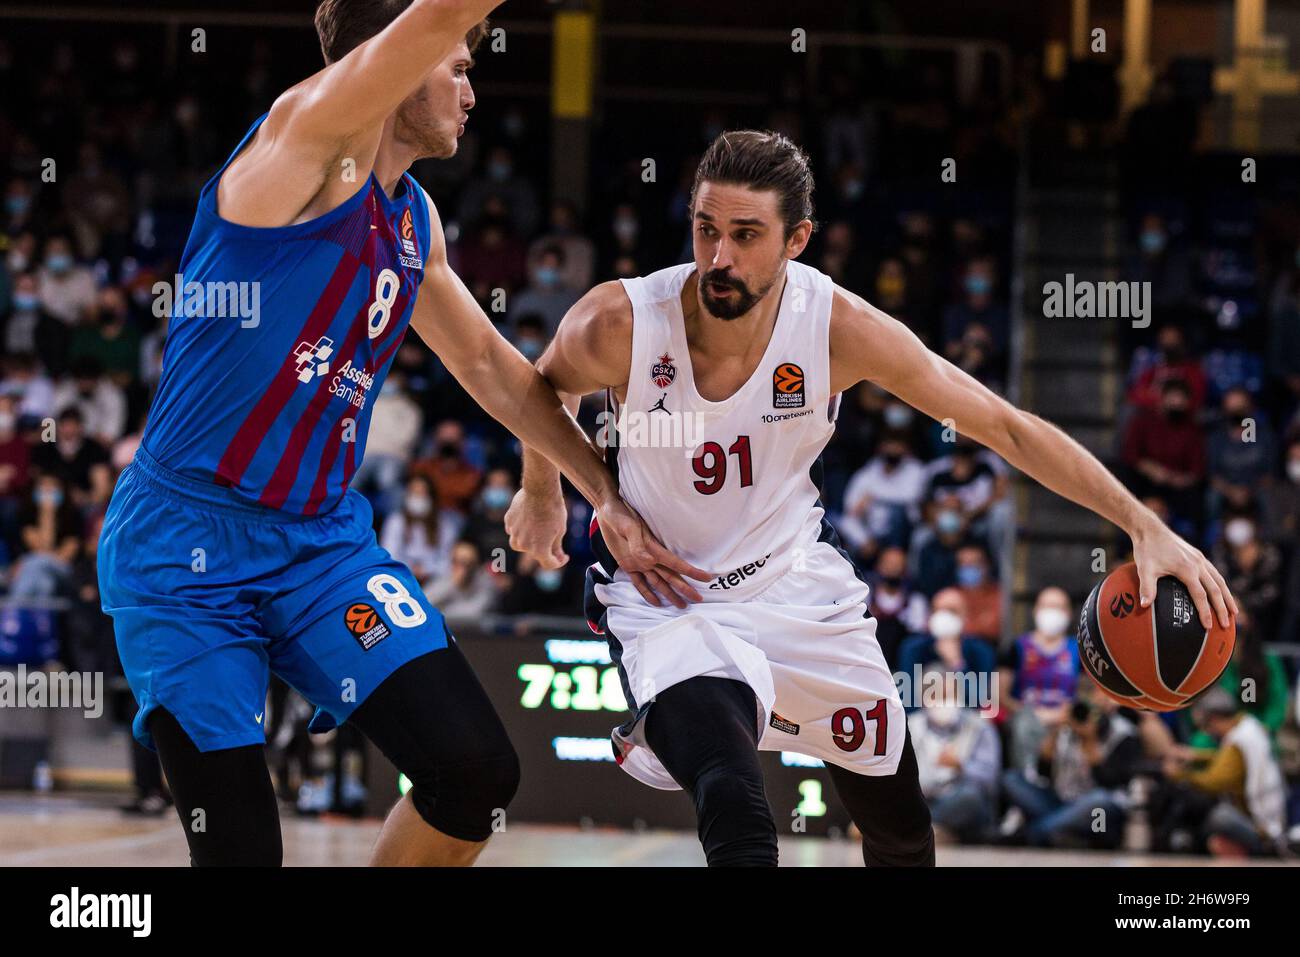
330,454
286,469
253,430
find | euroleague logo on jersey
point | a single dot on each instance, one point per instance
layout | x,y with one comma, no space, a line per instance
663,372
406,231
365,624
787,386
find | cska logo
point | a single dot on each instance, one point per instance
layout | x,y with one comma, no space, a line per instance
663,372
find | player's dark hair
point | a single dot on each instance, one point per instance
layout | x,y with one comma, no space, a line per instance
343,25
761,160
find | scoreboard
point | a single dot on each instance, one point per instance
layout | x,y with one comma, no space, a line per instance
559,696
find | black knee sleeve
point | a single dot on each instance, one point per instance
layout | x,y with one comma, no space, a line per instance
704,731
225,799
466,800
891,813
433,720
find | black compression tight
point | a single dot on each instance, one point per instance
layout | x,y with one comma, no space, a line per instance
704,732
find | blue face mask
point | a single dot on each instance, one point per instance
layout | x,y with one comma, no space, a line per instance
17,205
898,416
496,497
24,301
948,522
50,497
531,349
970,575
978,285
546,276
548,579
58,262
1152,240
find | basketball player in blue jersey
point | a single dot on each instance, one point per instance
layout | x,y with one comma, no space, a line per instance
232,545
781,654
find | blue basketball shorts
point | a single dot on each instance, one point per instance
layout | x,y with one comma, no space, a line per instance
209,595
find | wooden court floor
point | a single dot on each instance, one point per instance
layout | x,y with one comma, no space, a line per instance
88,831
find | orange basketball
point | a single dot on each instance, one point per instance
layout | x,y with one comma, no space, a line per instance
360,618
1157,658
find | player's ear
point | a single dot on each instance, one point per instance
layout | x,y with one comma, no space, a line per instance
798,238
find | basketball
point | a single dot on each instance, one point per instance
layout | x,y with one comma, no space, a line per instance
1154,659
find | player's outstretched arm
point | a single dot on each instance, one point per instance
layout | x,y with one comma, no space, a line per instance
592,350
868,344
514,393
339,113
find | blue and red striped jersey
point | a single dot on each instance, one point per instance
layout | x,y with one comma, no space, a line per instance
279,340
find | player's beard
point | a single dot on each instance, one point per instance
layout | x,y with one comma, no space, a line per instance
418,125
729,308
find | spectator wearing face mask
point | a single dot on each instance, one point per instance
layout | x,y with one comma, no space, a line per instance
1039,674
1253,570
982,592
537,591
51,541
418,535
978,305
1165,452
30,328
545,295
530,336
946,643
487,520
625,236
467,592
578,263
977,478
958,757
899,610
1242,451
454,478
934,548
882,499
1162,262
67,290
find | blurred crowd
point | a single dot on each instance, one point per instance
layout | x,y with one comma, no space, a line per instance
1211,437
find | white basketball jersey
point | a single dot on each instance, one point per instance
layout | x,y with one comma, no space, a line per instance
729,486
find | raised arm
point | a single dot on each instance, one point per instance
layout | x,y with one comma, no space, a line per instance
868,344
515,394
339,114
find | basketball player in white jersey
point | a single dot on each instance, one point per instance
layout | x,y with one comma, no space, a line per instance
751,350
